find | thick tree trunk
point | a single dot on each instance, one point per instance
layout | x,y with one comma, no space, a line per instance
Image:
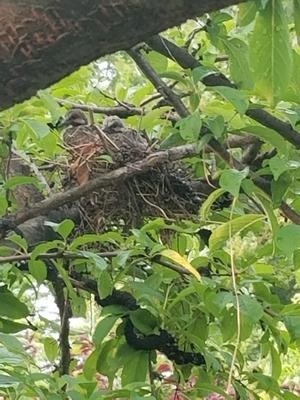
42,41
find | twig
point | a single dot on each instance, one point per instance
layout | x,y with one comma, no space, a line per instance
52,256
104,136
177,103
120,111
64,308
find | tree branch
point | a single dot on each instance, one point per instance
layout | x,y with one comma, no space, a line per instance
44,40
120,111
186,61
64,308
213,143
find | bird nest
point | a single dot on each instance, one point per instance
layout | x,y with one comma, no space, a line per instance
94,150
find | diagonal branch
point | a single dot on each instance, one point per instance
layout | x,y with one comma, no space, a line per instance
185,60
121,111
151,74
179,106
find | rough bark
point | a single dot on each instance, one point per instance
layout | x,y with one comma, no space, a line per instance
42,41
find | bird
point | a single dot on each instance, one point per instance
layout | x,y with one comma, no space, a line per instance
77,129
95,147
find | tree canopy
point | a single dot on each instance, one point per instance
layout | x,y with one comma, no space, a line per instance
152,197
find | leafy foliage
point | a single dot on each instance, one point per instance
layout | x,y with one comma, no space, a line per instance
230,295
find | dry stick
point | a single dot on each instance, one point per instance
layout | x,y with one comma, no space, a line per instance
186,61
151,74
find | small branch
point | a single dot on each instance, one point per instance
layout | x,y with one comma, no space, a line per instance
177,103
52,256
182,111
186,61
65,314
251,152
77,256
120,111
158,83
234,140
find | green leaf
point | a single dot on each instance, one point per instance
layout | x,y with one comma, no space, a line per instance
251,308
144,321
297,19
157,61
246,13
228,324
106,364
152,118
265,382
190,127
3,202
277,166
51,104
94,238
182,261
105,284
270,52
276,363
201,72
10,358
8,326
7,381
175,76
293,90
99,262
38,270
208,203
270,136
11,343
288,239
234,96
240,224
263,269
64,228
172,140
19,240
11,306
39,129
45,247
238,53
21,180
231,180
51,348
279,188
216,125
103,328
90,365
136,367
292,324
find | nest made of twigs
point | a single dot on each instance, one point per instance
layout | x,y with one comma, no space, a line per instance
94,150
